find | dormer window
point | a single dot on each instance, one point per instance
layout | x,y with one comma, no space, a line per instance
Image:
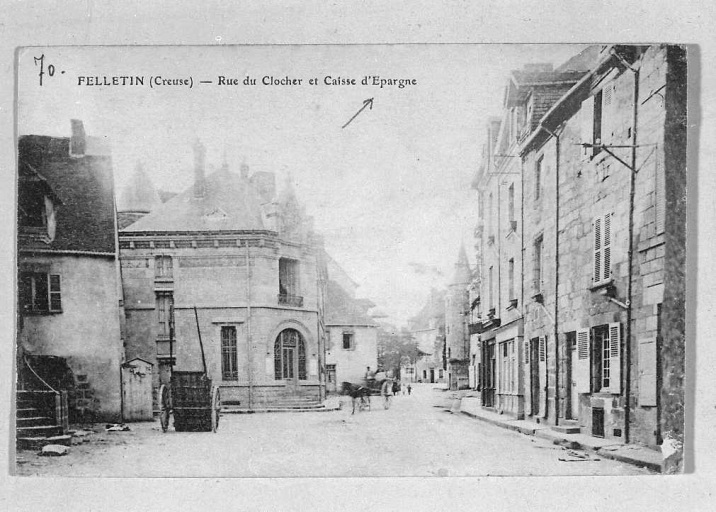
36,211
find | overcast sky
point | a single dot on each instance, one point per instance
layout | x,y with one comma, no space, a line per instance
390,192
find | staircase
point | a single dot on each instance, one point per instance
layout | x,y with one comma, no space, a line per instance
567,427
41,418
278,404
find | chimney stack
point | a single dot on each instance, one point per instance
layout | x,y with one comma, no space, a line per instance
78,141
199,159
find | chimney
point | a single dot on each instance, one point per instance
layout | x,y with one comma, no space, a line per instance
265,184
199,158
78,141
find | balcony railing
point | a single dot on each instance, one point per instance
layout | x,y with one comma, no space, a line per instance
287,299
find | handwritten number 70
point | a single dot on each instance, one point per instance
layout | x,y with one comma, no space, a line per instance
50,67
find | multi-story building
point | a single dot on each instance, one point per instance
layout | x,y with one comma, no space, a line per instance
69,307
228,264
529,93
604,244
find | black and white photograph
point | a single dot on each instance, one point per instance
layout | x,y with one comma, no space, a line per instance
385,260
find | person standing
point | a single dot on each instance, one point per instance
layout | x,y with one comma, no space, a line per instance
386,391
409,389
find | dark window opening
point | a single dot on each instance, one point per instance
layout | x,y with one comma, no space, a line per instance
40,293
229,358
348,341
597,137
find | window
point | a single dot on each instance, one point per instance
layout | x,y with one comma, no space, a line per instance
440,374
606,358
165,313
163,267
511,278
489,289
348,341
40,293
289,356
602,249
538,177
288,282
229,370
597,124
537,273
507,367
511,205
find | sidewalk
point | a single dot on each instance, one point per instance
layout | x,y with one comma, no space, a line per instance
606,448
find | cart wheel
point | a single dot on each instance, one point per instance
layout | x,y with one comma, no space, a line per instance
215,408
164,407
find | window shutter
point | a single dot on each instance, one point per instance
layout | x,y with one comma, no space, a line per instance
647,372
543,375
55,294
607,247
615,376
587,127
583,364
597,229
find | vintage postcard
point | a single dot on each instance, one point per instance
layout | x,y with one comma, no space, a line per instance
351,260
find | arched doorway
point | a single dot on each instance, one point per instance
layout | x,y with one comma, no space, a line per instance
290,357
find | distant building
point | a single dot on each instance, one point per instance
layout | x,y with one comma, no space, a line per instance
245,263
69,304
352,337
457,336
138,198
428,328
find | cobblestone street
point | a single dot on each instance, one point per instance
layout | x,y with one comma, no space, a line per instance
412,438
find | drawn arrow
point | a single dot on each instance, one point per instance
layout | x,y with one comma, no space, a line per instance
368,102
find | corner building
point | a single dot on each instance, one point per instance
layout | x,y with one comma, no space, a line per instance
229,261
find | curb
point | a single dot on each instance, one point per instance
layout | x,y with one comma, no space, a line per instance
546,433
261,411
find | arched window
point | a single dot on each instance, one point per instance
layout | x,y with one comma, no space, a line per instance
289,355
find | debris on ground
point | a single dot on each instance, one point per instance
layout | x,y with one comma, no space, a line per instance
54,450
573,456
117,427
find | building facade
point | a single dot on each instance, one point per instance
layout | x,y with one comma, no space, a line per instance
428,329
69,304
529,93
605,250
229,264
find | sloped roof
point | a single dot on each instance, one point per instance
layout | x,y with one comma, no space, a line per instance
85,187
342,309
584,61
230,203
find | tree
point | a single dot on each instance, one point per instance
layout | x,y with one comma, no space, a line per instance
395,347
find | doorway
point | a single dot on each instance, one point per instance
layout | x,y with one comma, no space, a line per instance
534,377
488,391
573,395
432,375
290,358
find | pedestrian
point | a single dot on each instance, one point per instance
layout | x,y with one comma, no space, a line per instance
385,390
396,387
409,389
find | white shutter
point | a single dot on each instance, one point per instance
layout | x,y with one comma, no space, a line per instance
597,267
647,372
587,127
543,376
607,247
583,365
615,359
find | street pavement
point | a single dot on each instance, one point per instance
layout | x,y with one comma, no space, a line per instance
412,438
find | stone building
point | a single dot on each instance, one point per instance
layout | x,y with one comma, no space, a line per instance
351,333
529,93
457,338
428,328
229,261
69,307
604,241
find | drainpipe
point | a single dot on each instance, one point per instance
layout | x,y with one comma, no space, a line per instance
632,186
522,272
555,320
248,324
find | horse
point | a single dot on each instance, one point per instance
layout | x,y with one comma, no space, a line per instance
359,394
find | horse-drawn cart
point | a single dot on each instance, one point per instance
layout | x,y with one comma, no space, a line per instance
191,397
